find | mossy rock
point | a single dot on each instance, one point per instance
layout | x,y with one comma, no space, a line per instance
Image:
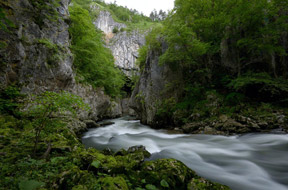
124,161
174,172
113,183
204,184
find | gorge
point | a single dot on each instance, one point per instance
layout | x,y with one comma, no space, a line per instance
209,78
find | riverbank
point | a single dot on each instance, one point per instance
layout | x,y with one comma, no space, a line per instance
71,166
241,162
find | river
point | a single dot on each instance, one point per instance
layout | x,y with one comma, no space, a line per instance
246,162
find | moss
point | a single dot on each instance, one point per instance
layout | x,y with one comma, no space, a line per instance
113,183
174,172
55,52
202,184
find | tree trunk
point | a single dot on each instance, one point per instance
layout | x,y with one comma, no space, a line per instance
47,152
273,64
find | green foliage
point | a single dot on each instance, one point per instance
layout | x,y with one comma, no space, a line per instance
215,43
165,110
93,61
130,17
95,164
153,39
153,43
164,183
143,52
30,185
9,100
4,22
234,98
45,10
261,86
151,187
115,30
54,51
46,111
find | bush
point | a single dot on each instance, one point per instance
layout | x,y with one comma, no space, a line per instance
47,110
234,99
261,86
115,30
9,100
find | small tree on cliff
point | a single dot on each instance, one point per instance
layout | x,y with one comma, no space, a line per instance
47,112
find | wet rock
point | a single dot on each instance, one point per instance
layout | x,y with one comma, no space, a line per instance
77,126
91,124
106,123
223,118
190,127
201,183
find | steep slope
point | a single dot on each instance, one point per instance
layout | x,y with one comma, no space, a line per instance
37,55
153,87
228,72
124,45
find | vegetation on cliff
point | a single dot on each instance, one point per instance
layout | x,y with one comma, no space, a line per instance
234,52
130,17
93,61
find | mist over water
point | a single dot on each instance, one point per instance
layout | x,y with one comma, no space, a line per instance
248,162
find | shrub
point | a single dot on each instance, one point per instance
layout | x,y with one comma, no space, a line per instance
9,100
47,111
115,30
261,86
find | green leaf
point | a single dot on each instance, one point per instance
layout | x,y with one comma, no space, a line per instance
151,187
164,183
143,181
96,164
30,185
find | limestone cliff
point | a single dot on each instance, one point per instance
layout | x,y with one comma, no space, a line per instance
124,45
157,83
37,55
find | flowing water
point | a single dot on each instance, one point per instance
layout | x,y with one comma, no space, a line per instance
247,162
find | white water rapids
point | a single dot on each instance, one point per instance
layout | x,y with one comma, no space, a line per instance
247,162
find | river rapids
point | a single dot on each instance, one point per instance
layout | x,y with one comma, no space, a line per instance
245,162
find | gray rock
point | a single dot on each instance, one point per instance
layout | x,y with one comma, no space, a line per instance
157,83
105,123
91,124
124,45
31,64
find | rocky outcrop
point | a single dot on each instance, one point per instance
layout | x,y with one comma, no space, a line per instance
124,45
157,83
37,55
106,23
229,125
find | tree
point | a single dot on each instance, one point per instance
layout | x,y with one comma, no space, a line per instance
47,111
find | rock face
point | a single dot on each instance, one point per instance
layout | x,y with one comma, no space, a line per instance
38,58
106,23
153,87
124,45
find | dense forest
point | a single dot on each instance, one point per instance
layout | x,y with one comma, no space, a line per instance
232,56
234,52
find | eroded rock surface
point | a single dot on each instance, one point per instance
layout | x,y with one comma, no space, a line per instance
124,45
38,58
